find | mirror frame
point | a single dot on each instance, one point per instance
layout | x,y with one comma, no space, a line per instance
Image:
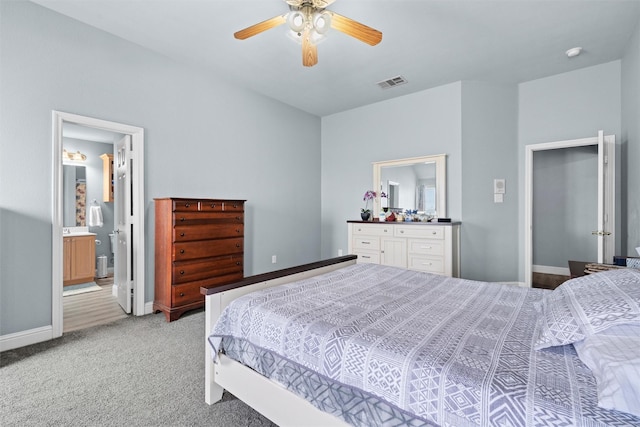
441,180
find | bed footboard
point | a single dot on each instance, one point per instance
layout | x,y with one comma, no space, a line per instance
216,299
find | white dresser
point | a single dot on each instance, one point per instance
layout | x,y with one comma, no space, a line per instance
423,246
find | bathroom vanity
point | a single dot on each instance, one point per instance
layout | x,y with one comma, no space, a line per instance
79,258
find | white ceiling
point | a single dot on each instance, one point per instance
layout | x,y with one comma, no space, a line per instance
429,42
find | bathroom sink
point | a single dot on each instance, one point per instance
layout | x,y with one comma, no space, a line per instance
76,231
79,233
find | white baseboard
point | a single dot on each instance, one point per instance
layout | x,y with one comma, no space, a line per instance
148,307
547,269
25,338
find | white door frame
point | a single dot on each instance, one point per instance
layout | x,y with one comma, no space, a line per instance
606,183
137,137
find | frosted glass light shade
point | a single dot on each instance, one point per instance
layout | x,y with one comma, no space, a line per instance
296,21
322,22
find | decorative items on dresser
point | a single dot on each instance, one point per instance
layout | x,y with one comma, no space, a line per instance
198,242
424,246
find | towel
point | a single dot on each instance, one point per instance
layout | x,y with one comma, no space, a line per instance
95,216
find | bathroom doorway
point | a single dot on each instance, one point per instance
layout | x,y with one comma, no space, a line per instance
88,207
72,134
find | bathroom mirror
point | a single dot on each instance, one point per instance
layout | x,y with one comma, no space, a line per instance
417,183
74,196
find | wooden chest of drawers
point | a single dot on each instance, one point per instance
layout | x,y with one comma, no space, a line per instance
198,242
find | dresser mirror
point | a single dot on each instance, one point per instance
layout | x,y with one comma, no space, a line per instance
417,183
74,195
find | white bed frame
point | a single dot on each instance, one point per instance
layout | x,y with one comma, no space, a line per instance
265,396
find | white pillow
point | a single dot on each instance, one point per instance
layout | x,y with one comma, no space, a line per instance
614,359
587,305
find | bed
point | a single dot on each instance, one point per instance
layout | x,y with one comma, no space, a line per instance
341,343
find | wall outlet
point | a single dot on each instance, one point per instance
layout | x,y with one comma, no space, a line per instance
274,259
339,252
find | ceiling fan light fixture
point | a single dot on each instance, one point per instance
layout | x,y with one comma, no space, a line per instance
296,21
308,22
322,21
314,37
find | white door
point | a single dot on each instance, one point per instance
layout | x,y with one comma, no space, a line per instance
606,198
603,232
123,266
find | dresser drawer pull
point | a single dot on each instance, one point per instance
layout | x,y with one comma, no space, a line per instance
365,256
186,205
237,245
237,230
213,205
238,218
434,232
181,234
425,247
181,271
181,294
238,263
401,231
181,251
386,231
182,219
427,263
364,242
235,205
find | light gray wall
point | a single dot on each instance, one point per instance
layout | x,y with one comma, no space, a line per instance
203,138
630,145
565,205
489,238
421,124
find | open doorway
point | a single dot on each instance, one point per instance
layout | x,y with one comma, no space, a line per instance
125,234
570,216
88,201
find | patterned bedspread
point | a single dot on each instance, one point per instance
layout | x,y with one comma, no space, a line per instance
433,349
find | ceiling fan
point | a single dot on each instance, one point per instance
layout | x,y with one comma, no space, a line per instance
309,21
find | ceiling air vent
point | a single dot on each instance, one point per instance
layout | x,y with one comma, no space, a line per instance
392,82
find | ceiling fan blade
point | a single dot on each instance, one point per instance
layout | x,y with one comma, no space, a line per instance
355,29
309,50
260,27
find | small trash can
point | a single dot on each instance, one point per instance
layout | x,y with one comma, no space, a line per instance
101,267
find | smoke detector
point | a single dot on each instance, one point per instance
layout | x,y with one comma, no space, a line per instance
573,52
